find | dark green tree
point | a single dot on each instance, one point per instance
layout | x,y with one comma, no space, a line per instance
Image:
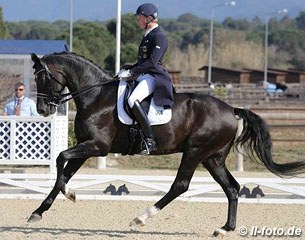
19,30
293,42
129,53
190,19
95,42
43,32
301,21
3,28
130,31
61,25
288,23
240,24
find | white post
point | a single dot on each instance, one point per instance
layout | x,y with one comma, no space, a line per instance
118,39
13,140
71,26
53,144
283,11
211,47
26,76
266,53
231,3
101,163
118,43
239,164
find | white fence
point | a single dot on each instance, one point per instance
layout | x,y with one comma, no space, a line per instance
32,140
149,188
38,141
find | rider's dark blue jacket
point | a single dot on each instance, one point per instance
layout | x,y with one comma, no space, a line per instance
150,54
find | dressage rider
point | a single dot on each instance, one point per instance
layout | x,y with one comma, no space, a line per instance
152,77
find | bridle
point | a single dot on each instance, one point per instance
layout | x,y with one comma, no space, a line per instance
55,101
51,99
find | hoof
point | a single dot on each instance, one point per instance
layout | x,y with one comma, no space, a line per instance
71,195
34,218
137,222
219,233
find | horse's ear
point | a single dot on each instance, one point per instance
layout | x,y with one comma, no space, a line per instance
36,60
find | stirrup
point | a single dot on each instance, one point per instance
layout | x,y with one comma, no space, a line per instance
148,145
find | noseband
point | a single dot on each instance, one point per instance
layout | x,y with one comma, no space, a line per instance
62,98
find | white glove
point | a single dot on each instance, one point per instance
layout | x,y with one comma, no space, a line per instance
124,74
119,72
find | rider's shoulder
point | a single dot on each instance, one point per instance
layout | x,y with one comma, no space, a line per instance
160,36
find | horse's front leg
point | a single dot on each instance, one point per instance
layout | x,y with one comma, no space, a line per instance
83,150
69,171
60,183
75,156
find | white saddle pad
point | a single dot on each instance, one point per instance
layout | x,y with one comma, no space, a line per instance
157,115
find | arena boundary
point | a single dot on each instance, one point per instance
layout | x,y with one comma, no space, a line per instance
149,188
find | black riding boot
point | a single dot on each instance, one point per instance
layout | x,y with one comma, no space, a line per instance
149,143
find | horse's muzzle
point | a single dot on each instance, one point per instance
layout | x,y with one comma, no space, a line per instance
45,109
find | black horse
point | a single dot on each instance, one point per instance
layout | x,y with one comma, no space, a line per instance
203,128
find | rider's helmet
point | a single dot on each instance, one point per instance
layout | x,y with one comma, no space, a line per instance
147,9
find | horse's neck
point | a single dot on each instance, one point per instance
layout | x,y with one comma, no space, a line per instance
96,97
81,74
78,82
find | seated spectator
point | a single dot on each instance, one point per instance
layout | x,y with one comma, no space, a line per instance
20,105
211,86
281,86
271,88
229,87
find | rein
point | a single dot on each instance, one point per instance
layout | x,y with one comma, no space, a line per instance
58,100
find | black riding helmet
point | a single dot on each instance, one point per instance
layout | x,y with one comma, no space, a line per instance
147,9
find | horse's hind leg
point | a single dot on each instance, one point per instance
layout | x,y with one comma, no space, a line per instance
69,171
215,165
181,184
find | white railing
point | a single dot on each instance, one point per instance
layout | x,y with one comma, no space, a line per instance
32,140
149,188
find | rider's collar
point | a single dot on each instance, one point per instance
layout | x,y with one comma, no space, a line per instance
149,30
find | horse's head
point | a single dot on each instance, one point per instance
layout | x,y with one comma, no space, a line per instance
49,87
122,189
111,188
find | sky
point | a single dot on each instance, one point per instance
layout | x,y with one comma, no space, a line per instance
52,10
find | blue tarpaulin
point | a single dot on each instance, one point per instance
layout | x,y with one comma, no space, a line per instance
40,47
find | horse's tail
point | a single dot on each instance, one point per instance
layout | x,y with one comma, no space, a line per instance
256,141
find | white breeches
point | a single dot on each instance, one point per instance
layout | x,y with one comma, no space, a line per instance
146,86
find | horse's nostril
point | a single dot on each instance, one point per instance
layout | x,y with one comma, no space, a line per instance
41,111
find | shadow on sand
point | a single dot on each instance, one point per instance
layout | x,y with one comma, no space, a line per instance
90,232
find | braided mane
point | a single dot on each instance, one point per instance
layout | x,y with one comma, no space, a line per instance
80,58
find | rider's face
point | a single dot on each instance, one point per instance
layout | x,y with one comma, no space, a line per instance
141,20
